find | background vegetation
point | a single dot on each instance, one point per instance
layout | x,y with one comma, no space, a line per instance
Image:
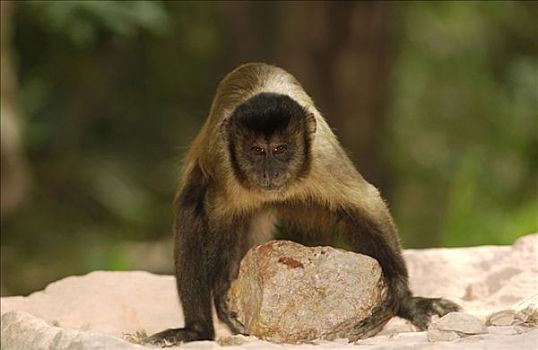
436,102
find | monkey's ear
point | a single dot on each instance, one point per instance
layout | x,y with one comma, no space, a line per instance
311,123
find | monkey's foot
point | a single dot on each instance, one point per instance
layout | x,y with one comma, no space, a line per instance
230,319
175,336
419,310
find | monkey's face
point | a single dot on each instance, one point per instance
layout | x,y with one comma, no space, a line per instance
270,164
269,142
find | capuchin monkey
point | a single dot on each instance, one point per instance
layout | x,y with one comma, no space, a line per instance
266,156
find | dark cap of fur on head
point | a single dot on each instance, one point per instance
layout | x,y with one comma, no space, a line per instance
267,113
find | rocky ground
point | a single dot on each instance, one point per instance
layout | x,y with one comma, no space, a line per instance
102,310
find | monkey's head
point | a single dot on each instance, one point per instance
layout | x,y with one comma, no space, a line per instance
269,137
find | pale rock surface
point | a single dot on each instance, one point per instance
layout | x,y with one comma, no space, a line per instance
289,293
482,279
85,312
21,330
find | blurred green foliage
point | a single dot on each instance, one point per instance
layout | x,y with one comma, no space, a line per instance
464,120
111,93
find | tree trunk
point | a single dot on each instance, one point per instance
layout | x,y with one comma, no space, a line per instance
13,165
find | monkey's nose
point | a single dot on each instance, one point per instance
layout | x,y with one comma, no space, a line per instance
271,174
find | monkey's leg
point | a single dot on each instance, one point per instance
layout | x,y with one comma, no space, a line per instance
194,294
378,240
192,265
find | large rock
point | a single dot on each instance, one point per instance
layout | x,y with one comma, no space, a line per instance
286,292
96,310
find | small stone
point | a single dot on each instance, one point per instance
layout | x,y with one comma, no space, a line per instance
289,293
502,318
439,335
235,340
460,323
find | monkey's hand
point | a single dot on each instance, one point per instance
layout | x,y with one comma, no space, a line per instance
228,316
175,336
417,310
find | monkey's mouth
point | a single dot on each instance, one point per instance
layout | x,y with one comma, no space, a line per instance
271,186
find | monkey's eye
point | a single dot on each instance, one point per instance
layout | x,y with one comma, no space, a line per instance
257,150
280,149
